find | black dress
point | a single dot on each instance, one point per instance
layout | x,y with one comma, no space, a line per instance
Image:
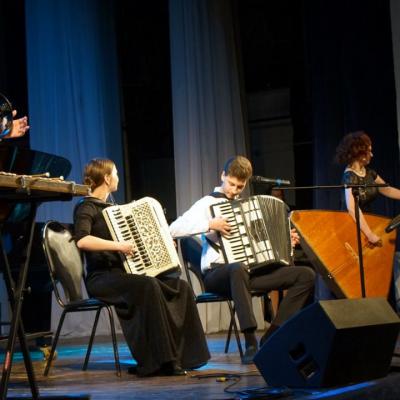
367,195
158,316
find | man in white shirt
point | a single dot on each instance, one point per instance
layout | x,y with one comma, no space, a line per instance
234,279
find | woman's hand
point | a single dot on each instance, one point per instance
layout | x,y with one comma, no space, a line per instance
374,240
127,248
221,225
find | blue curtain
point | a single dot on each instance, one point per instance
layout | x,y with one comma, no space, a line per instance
74,106
207,110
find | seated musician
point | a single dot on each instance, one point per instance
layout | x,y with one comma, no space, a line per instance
158,315
234,279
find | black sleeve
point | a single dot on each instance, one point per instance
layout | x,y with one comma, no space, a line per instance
83,220
349,178
373,173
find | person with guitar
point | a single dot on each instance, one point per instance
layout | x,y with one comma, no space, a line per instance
355,151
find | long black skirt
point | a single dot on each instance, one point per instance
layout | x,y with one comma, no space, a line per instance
159,318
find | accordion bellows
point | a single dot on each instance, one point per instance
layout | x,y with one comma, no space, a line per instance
260,234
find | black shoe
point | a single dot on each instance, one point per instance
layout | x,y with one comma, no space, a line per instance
172,369
133,370
249,355
178,371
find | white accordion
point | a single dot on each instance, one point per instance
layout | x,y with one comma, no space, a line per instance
260,234
143,222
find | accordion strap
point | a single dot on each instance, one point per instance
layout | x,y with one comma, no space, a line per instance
214,245
219,195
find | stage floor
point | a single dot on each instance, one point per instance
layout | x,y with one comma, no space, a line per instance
224,377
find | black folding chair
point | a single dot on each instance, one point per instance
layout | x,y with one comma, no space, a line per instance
190,249
66,267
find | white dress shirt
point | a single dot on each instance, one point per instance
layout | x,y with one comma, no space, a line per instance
196,221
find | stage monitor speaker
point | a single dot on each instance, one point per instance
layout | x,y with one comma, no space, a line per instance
331,343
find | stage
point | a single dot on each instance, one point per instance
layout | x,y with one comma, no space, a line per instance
224,377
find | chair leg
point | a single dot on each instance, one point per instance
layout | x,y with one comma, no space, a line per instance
268,309
54,345
114,340
89,349
235,330
228,337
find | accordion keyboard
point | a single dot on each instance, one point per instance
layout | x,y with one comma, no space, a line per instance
143,223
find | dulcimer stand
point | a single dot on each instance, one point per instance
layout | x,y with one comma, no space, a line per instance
16,290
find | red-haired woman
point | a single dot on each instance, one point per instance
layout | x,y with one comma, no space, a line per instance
355,151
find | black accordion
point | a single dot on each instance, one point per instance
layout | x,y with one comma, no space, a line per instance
260,234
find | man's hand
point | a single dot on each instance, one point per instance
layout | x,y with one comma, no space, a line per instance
20,126
220,224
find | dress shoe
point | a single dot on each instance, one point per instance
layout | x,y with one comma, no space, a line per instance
249,354
133,370
177,371
172,369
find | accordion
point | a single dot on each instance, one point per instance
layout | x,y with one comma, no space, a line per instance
143,222
260,234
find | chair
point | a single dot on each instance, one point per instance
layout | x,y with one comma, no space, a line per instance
190,249
66,267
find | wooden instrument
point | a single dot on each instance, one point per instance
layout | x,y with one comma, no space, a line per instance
260,234
329,239
29,183
143,223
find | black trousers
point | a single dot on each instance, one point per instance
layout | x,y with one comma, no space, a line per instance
234,280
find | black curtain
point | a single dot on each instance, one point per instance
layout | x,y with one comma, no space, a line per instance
350,86
13,75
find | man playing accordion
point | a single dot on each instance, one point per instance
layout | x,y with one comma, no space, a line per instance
234,279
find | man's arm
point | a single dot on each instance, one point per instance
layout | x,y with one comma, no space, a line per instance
193,221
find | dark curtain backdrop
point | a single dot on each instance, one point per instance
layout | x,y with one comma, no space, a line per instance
73,87
13,82
349,64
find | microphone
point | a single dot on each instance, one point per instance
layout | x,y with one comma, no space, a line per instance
393,224
270,181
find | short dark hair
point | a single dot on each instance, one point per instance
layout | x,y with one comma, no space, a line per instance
238,167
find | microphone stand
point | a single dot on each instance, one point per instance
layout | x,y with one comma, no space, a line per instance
355,189
356,195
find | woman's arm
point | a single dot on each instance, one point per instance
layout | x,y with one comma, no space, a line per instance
389,191
372,238
94,243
